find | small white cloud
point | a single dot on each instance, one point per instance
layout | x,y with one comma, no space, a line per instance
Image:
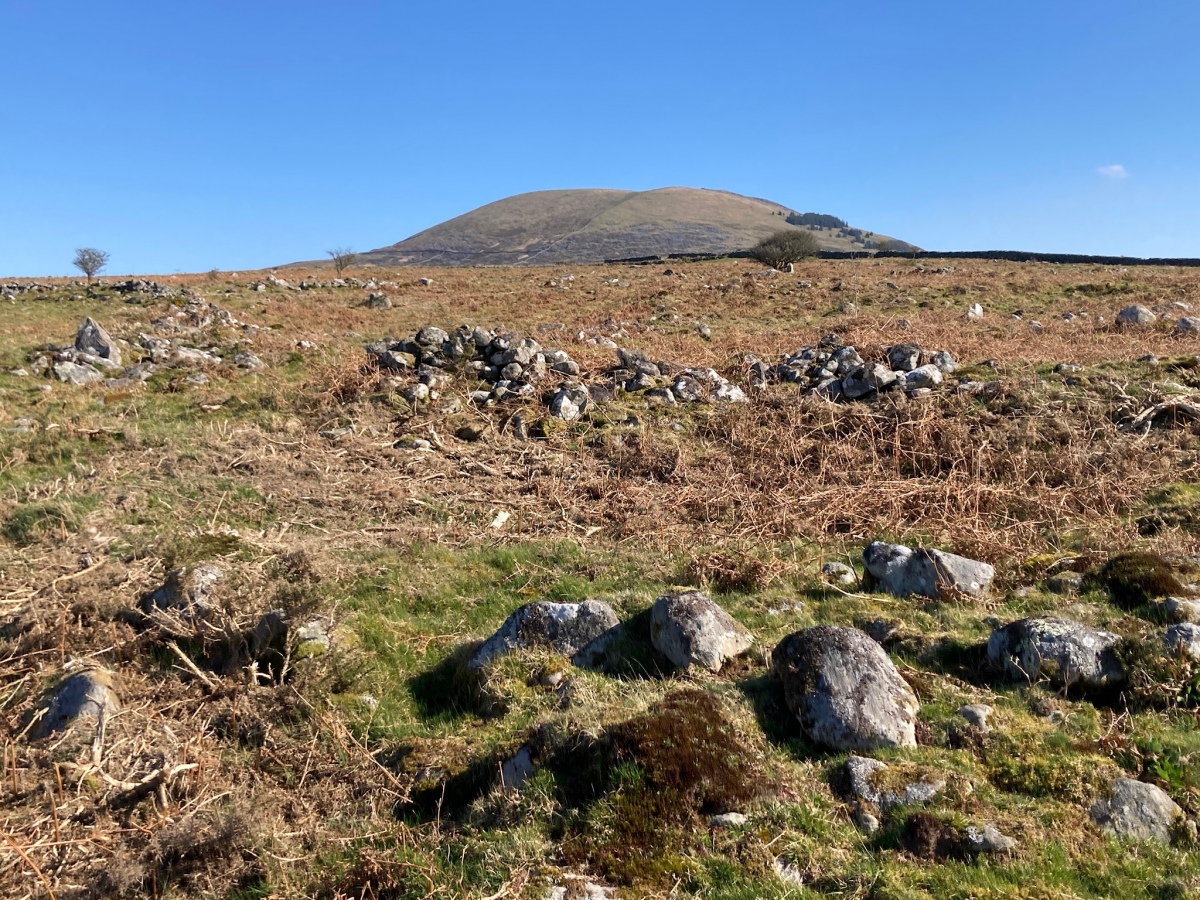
1114,171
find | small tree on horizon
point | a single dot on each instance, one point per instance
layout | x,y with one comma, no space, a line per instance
785,247
90,262
343,258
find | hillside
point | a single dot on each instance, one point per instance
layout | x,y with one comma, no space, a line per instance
590,226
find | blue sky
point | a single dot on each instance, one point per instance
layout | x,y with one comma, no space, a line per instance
187,135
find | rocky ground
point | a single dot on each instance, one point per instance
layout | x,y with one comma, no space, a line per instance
874,579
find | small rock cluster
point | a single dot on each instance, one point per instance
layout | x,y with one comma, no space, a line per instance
95,353
838,372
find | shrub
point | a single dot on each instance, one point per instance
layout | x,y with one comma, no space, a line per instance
784,247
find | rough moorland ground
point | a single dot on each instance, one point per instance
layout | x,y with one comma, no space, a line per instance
244,763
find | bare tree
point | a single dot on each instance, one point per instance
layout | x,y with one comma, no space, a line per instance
785,247
90,262
343,258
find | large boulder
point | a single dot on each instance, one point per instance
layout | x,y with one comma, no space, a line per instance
688,628
1137,810
1065,652
561,627
1136,315
904,570
92,338
88,694
844,690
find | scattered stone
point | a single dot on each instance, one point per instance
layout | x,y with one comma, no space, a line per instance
1065,582
881,786
1135,315
76,373
87,694
1181,609
515,770
187,592
1188,325
379,301
839,573
975,312
1137,810
728,820
1065,652
978,715
944,362
865,820
904,571
923,377
248,360
989,839
904,357
844,690
570,402
92,338
688,628
1184,638
426,282
564,628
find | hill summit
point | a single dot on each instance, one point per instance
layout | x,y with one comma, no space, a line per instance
591,226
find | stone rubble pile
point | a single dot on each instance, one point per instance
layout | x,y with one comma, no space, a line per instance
510,366
840,373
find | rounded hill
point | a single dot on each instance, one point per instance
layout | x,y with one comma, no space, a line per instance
594,225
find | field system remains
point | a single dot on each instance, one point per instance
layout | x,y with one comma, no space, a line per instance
293,573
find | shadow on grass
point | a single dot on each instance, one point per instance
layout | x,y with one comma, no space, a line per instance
777,722
449,691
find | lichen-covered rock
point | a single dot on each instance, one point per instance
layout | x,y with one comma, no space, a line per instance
76,373
562,627
1181,609
844,690
1184,638
879,784
1065,652
187,592
688,628
570,402
91,693
1137,810
904,571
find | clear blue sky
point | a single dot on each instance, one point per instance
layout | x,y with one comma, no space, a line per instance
183,135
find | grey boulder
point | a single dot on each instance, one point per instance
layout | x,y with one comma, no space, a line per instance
1065,652
1137,810
92,338
569,403
1136,315
561,627
904,571
91,693
689,629
187,592
844,690
76,373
